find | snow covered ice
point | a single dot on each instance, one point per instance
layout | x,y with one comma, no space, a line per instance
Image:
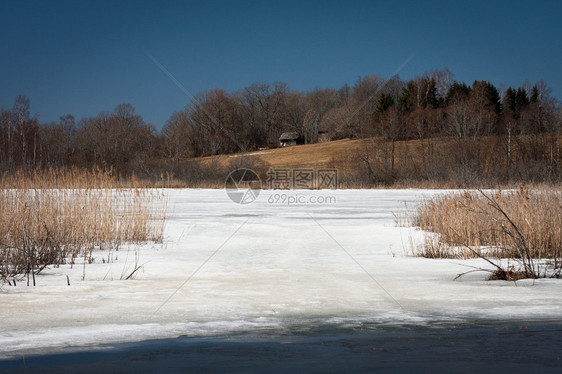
226,267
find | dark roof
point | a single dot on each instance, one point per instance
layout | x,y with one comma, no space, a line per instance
289,136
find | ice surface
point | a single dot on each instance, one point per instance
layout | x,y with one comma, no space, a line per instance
226,267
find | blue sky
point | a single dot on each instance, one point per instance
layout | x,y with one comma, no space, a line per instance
84,57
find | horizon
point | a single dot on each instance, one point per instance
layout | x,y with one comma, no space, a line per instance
88,57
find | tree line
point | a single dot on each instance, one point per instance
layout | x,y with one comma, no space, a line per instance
217,122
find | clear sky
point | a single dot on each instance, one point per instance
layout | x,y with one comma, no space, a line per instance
84,57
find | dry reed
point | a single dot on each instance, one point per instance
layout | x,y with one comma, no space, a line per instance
53,217
468,225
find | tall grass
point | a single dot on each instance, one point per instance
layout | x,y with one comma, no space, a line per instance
523,224
53,217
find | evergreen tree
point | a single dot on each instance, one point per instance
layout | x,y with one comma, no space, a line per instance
489,94
385,101
405,100
516,100
509,99
458,91
534,94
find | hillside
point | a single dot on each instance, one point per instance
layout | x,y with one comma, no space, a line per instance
437,162
300,156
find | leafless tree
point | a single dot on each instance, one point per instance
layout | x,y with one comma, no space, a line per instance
264,105
443,80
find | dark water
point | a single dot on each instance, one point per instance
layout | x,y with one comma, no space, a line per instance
476,347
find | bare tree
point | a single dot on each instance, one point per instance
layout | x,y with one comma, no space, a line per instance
342,121
264,105
296,110
462,121
391,128
6,139
180,140
55,147
443,80
113,139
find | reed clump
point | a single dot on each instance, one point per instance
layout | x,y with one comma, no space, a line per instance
52,217
522,224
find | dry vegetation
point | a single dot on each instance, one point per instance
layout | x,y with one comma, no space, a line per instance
52,218
373,162
522,225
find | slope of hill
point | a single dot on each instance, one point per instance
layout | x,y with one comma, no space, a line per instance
300,156
437,162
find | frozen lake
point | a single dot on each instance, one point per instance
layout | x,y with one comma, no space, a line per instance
227,268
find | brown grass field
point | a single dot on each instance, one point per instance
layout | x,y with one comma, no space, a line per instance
371,162
346,155
302,156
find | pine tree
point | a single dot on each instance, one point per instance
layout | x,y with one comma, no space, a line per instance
534,94
385,102
458,91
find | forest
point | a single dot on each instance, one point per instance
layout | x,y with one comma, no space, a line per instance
472,133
